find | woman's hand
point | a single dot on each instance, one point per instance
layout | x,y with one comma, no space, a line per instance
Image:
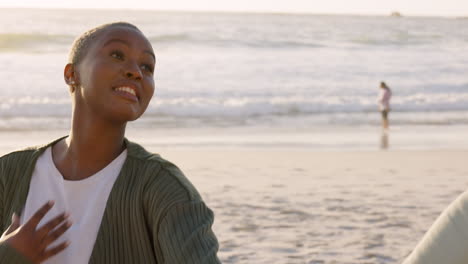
32,242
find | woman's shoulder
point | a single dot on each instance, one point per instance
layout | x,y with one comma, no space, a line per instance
26,153
18,156
14,166
161,175
445,241
460,204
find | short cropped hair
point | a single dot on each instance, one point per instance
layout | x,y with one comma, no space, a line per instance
83,42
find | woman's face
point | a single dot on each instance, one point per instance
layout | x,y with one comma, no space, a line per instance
115,77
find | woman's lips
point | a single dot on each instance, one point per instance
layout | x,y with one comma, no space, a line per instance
127,92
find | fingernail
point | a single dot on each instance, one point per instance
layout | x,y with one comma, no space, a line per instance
66,214
67,243
69,223
50,203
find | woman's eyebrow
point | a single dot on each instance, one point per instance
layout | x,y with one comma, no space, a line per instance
151,53
126,43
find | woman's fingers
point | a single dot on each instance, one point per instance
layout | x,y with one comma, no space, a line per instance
59,231
32,242
55,250
37,217
52,224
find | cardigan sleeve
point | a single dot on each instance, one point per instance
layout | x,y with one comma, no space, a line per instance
11,256
7,253
447,239
185,235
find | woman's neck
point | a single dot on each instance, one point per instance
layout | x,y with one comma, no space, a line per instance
91,146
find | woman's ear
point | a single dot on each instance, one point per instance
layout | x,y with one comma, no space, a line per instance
70,76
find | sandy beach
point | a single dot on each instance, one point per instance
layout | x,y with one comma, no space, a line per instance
280,206
293,205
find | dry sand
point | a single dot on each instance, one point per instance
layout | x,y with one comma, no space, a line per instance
289,206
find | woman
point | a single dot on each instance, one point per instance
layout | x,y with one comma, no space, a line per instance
94,196
384,103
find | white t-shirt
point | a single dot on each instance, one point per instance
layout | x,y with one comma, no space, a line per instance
84,200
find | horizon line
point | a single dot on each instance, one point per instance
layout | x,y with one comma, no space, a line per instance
389,14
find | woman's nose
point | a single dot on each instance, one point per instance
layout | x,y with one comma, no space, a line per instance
132,71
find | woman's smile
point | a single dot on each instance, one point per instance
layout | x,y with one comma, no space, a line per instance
127,92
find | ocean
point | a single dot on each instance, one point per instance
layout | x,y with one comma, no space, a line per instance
250,70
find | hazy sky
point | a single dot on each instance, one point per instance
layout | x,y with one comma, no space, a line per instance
408,7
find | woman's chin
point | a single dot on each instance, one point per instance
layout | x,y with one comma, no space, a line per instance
125,115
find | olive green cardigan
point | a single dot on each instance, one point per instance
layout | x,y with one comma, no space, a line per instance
153,213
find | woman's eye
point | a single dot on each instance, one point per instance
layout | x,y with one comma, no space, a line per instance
147,67
117,55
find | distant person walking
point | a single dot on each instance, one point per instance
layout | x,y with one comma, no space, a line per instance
384,103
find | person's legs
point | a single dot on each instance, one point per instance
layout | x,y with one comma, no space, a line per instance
385,119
